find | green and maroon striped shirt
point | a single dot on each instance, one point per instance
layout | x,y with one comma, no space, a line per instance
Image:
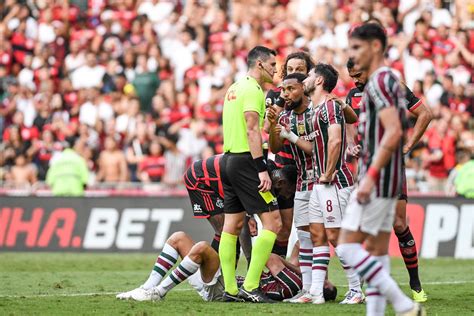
327,114
301,125
383,90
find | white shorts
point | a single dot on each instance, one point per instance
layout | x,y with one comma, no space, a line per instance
376,216
300,209
328,204
210,291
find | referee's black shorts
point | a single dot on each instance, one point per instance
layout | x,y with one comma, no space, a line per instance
241,182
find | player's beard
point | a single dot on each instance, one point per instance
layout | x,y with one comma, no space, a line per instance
309,89
360,86
294,104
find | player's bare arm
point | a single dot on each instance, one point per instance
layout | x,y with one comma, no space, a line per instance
255,144
349,114
392,135
424,115
334,144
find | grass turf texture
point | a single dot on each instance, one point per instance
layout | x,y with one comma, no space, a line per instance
84,284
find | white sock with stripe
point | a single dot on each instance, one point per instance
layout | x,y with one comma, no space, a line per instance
305,258
321,258
372,271
351,275
165,261
184,270
376,302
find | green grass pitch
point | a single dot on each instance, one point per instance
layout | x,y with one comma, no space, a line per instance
85,284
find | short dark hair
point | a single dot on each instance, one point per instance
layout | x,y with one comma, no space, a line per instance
330,75
297,55
259,52
298,76
350,64
369,32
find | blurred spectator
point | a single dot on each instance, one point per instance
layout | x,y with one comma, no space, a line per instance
112,163
440,156
175,162
464,180
152,167
22,173
68,174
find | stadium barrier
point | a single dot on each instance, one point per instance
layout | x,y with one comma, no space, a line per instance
442,227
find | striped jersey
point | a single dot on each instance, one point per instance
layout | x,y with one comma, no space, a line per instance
355,95
325,115
284,156
301,125
383,90
205,176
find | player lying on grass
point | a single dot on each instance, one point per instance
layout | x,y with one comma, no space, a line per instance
201,267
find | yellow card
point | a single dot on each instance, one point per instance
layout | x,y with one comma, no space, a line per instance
267,196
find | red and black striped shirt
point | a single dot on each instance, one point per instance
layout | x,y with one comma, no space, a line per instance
205,176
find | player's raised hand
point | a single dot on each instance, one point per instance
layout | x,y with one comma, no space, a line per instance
272,115
265,181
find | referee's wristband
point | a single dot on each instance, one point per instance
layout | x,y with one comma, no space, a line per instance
260,163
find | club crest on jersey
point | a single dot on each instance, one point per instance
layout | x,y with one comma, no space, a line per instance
324,116
219,203
301,129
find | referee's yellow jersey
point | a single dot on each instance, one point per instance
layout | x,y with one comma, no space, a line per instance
243,96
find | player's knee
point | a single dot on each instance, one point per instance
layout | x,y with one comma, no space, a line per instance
175,238
318,237
399,225
284,232
198,251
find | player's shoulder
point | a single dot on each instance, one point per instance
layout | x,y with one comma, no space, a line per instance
384,79
354,92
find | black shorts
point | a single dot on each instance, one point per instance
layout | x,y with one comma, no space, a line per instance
204,201
284,203
240,181
205,204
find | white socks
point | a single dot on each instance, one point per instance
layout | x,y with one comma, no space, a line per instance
321,258
372,271
305,258
165,261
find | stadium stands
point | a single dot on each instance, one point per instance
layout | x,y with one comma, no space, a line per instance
145,73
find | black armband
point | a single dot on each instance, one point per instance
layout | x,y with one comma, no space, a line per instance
261,164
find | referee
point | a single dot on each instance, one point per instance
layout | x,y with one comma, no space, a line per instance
247,184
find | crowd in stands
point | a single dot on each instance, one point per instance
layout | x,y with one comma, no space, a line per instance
136,86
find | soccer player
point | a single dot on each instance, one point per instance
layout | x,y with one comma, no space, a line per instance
200,265
247,184
424,116
298,62
329,197
203,181
297,116
371,207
